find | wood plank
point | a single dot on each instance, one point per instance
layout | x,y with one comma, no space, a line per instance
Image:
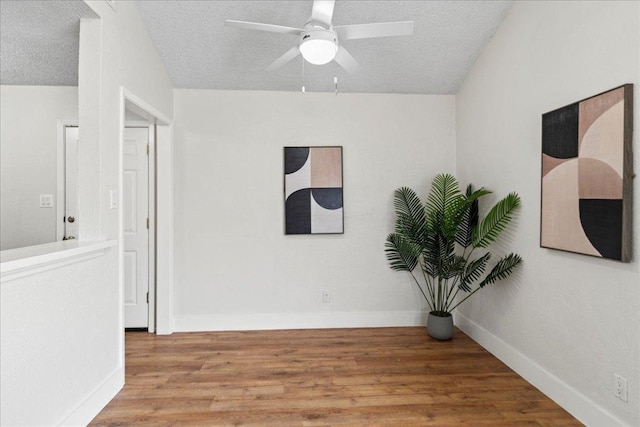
336,377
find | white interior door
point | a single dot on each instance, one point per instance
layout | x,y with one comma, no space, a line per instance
136,233
70,182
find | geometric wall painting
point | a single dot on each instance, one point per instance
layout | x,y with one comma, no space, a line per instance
587,176
313,190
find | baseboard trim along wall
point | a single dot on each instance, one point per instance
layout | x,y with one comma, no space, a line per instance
96,401
577,404
271,321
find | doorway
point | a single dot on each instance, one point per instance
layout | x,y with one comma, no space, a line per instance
67,182
137,207
71,172
137,113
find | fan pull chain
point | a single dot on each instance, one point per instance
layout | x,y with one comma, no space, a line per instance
335,82
303,88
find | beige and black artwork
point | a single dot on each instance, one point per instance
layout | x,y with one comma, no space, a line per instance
587,176
313,190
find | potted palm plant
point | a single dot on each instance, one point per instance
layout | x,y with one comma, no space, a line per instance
448,243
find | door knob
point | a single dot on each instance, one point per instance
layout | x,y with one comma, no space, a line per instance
71,219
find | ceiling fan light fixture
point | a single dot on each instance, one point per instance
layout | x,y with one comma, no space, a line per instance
318,47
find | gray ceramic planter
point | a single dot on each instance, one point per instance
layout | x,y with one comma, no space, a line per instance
440,328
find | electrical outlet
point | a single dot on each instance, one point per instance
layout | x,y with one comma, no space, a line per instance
620,387
326,296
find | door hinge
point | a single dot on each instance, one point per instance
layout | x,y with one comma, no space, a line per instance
147,149
147,223
147,297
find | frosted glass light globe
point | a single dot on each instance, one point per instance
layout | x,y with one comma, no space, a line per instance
318,49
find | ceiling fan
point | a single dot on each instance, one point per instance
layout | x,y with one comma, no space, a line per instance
319,40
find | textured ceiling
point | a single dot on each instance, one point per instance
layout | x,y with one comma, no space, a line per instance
39,42
200,52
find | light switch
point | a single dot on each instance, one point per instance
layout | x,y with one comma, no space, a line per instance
113,199
46,200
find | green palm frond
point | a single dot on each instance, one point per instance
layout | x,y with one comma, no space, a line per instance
407,202
473,271
453,266
469,219
401,253
443,202
410,219
436,254
443,188
453,214
502,269
495,221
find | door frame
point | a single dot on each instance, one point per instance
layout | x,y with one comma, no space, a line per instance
61,165
151,214
161,222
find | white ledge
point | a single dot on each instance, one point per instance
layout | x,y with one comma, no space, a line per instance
16,263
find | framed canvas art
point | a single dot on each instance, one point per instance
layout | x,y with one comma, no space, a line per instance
587,176
313,190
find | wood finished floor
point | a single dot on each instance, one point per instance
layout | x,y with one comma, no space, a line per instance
337,377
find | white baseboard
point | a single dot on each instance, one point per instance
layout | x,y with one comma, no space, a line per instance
271,321
96,401
574,402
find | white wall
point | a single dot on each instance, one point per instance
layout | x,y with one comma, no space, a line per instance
235,268
62,332
28,160
59,342
567,322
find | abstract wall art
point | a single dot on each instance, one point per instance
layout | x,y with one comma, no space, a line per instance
313,190
587,176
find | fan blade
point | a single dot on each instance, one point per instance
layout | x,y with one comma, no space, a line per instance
367,31
288,56
264,27
322,12
346,61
